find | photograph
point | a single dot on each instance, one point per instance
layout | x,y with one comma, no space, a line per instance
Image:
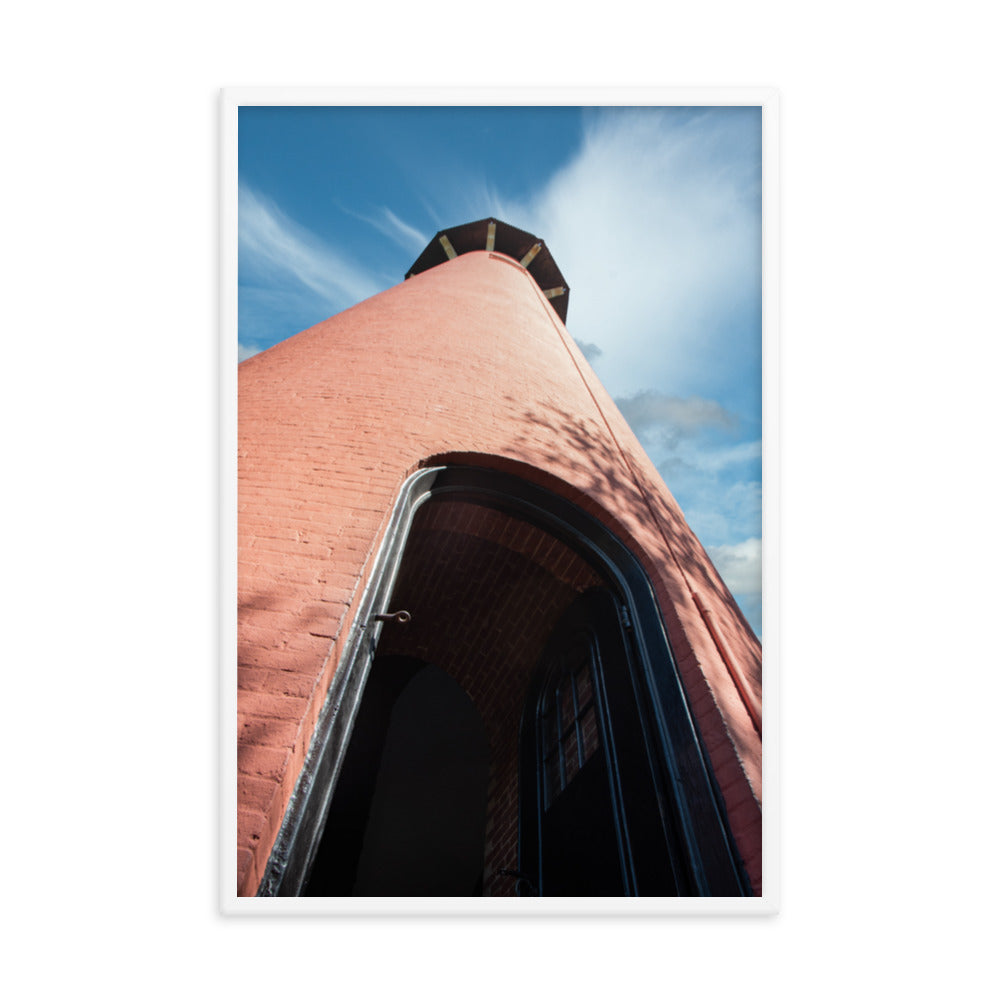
498,506
500,501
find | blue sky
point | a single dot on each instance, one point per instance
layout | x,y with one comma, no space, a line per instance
652,214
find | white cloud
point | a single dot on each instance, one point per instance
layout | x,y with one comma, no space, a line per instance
274,248
389,224
656,225
718,512
719,459
244,351
407,237
672,415
712,476
739,565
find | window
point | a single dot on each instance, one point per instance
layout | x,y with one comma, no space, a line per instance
567,719
593,820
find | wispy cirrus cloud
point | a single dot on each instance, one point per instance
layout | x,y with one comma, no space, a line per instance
389,224
404,234
247,349
719,459
287,270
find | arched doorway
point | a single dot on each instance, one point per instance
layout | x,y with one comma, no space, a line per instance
490,568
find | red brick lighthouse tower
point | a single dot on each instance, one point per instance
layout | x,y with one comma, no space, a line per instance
480,650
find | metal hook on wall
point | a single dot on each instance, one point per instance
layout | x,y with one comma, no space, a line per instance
393,616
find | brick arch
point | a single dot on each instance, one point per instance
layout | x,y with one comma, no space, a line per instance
592,504
595,553
539,476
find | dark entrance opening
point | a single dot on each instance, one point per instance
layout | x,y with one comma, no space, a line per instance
408,815
510,589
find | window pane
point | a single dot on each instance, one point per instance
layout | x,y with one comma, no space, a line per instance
584,690
566,714
571,755
568,727
591,740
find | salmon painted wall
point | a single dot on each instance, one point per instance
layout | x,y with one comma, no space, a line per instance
466,363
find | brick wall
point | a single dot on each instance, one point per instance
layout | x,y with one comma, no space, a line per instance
467,360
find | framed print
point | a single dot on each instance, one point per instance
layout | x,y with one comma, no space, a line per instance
494,381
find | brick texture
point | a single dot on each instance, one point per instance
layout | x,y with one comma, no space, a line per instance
466,362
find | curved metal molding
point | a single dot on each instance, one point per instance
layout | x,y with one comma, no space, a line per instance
295,847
